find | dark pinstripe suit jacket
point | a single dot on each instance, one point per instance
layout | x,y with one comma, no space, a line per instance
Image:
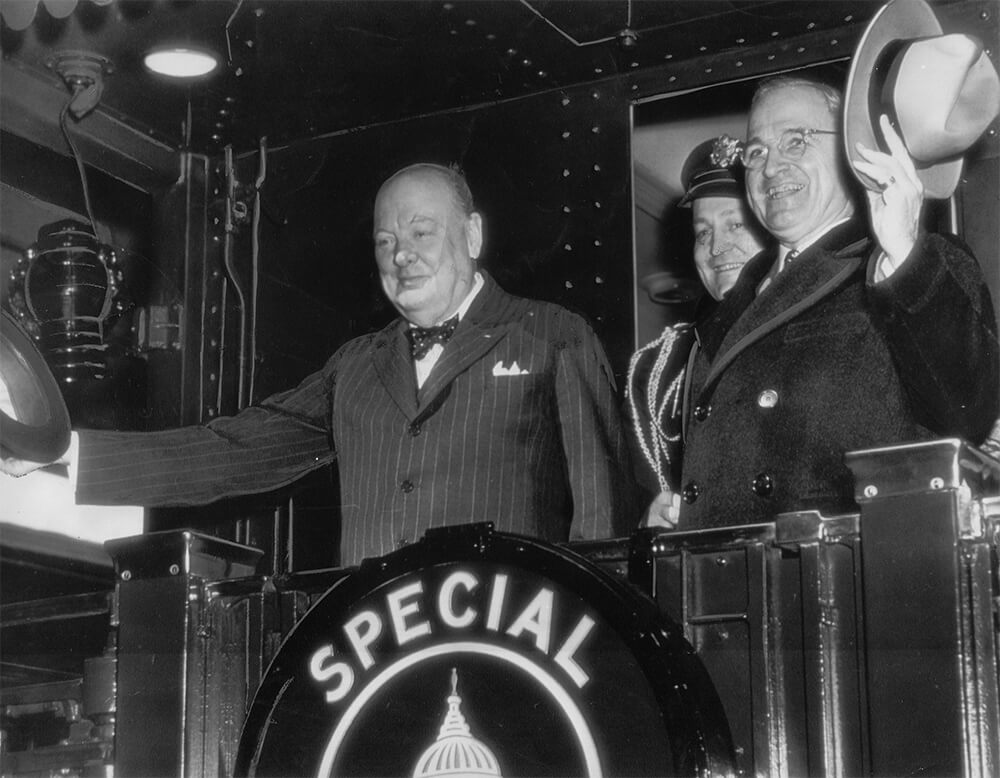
517,424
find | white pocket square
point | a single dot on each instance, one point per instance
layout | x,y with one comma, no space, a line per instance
514,369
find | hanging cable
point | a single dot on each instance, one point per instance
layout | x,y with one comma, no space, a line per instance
81,168
232,273
229,22
569,37
255,261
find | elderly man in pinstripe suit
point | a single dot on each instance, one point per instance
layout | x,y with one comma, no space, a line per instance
474,405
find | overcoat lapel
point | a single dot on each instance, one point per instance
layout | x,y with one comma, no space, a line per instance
394,367
712,327
815,275
484,325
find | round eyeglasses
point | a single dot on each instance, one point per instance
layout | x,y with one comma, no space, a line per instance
792,145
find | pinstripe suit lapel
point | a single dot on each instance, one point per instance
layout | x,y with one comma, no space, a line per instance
485,324
394,367
470,343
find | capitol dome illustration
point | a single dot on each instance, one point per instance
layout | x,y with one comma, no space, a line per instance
456,753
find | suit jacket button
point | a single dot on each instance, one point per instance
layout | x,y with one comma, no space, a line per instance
415,429
406,486
701,412
690,492
763,485
767,399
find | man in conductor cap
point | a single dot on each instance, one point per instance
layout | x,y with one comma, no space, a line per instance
726,237
860,329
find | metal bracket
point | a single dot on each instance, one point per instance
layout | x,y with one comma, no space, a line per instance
159,327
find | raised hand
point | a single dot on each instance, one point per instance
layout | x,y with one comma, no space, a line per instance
895,209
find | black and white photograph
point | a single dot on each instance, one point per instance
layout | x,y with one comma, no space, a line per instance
524,388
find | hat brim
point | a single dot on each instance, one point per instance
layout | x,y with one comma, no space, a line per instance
898,20
41,431
726,188
665,288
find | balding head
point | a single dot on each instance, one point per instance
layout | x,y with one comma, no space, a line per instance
427,237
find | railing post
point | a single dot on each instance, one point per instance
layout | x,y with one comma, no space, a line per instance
931,685
161,658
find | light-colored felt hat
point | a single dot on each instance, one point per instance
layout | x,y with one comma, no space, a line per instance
939,91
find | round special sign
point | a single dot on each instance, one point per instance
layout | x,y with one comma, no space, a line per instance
475,653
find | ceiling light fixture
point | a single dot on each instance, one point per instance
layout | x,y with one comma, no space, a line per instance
181,62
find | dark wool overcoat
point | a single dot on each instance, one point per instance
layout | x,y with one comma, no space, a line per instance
824,361
517,424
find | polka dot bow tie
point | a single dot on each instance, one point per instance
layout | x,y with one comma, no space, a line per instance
423,338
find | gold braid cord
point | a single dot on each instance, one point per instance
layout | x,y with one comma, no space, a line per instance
661,400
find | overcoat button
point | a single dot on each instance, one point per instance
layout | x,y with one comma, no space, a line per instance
763,485
767,399
690,492
406,486
701,412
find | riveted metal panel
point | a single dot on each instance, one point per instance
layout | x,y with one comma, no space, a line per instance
774,611
549,172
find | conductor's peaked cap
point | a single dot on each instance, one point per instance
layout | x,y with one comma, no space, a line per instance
712,169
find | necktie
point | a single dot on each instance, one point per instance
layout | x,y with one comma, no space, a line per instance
422,338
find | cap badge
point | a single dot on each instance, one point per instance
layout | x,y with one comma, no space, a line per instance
725,151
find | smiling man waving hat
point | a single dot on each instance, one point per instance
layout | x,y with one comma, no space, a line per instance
939,91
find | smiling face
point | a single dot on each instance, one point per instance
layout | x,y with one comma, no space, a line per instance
796,199
724,240
425,246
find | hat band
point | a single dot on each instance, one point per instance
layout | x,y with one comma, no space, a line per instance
885,72
709,176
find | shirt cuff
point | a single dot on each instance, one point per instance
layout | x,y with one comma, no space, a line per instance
72,459
884,267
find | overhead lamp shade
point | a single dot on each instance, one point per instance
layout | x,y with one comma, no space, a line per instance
181,61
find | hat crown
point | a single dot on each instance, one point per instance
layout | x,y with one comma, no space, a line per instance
945,95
